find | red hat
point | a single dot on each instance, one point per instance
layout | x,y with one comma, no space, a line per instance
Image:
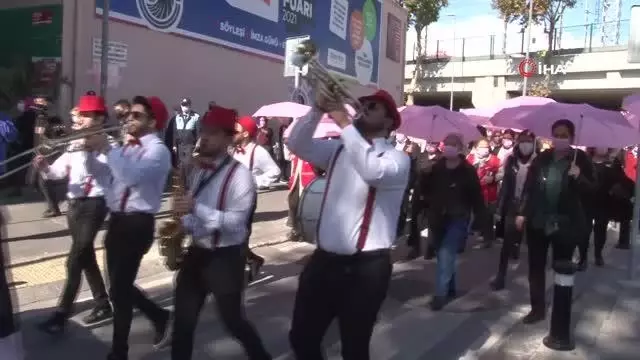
385,98
160,113
221,117
249,125
91,103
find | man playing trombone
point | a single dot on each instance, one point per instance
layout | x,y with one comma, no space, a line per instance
88,178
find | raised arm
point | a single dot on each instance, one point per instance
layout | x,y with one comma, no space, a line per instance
301,142
206,218
153,162
389,169
271,171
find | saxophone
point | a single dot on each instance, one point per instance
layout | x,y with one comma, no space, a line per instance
171,232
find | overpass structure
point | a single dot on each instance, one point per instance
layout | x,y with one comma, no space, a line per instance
590,74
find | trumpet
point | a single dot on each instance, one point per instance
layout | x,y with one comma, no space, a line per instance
306,54
50,147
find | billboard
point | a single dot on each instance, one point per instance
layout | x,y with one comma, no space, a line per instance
346,32
633,50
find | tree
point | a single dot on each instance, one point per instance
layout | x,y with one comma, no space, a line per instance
547,12
422,13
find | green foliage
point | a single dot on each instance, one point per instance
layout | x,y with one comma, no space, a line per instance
424,12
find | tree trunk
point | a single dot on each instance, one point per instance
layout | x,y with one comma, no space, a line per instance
417,72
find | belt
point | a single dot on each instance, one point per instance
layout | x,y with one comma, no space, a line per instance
360,255
72,201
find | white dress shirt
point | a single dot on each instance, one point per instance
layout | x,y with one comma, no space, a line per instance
223,208
139,175
88,173
361,173
262,166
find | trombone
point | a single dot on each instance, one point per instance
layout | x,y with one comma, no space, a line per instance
50,147
306,54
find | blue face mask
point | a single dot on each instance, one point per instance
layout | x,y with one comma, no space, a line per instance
561,144
450,151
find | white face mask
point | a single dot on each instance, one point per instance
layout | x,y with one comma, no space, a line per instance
185,109
20,106
526,148
482,152
507,143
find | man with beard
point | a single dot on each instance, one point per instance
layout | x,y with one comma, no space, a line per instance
219,212
348,275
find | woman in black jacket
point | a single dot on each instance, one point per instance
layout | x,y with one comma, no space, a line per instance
552,207
513,174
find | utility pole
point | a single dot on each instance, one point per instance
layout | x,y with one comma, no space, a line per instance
104,57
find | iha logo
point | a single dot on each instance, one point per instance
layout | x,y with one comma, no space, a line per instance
528,68
161,15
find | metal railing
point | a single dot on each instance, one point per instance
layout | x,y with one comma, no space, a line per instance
584,37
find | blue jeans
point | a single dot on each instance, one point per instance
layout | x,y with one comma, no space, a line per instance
455,234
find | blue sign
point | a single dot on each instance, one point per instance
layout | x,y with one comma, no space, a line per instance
346,32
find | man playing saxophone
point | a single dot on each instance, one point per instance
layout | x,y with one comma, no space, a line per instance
88,179
219,208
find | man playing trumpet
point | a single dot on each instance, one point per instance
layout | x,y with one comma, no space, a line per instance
348,275
88,180
219,208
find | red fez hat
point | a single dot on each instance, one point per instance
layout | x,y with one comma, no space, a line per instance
249,125
220,117
386,99
160,113
91,103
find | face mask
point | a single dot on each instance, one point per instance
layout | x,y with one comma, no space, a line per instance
482,152
507,143
185,109
526,148
20,106
430,149
450,152
561,144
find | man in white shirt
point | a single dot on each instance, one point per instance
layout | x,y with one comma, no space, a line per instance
219,208
348,275
139,169
264,169
88,178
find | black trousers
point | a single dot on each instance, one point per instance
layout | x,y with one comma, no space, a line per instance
129,237
219,272
511,240
598,226
50,189
85,217
350,288
538,244
293,199
8,324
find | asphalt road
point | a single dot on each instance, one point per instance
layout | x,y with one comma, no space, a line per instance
30,237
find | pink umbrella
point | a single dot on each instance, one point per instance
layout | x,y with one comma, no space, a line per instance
285,109
326,128
631,104
433,123
594,127
484,114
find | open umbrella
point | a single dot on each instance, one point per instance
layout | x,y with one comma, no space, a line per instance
484,114
285,109
433,123
594,127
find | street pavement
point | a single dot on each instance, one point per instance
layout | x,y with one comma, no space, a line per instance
479,325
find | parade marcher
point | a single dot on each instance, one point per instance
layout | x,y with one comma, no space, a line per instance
8,135
121,109
264,169
629,162
487,167
413,150
506,145
513,175
25,124
420,203
139,170
348,275
88,178
182,132
453,192
219,214
302,174
551,209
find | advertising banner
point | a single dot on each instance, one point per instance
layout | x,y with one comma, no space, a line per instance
346,32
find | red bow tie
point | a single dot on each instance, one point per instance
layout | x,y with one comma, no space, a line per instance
134,142
240,150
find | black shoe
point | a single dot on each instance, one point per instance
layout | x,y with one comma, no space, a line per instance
497,284
582,265
51,213
98,314
452,294
599,261
414,253
437,303
255,267
55,325
162,336
623,246
533,317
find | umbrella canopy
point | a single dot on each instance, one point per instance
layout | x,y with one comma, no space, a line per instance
285,109
484,114
433,123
